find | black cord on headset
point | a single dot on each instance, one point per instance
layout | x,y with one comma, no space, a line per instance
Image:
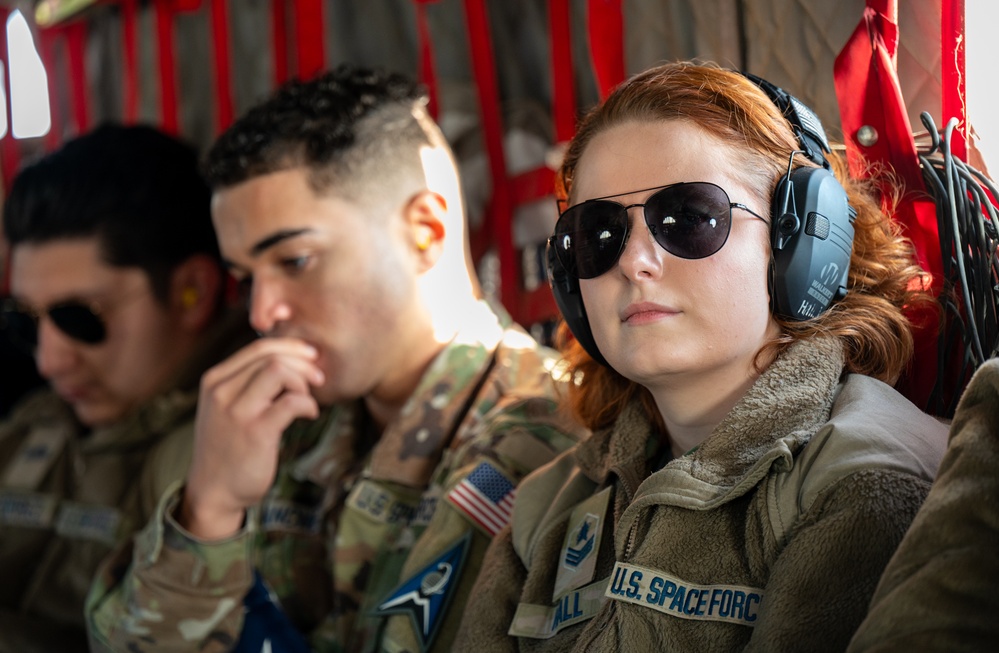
968,224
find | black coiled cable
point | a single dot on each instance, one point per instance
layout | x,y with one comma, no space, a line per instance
968,225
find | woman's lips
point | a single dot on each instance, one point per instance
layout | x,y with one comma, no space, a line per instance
645,312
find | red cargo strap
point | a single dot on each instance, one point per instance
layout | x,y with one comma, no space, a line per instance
169,120
499,215
869,95
606,26
220,50
76,46
10,155
309,28
562,71
46,50
279,40
428,75
952,74
130,58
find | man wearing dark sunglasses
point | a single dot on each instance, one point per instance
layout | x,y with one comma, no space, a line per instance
116,290
417,408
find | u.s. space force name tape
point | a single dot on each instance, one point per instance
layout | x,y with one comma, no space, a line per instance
653,589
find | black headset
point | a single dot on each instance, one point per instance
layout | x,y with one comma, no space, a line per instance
811,234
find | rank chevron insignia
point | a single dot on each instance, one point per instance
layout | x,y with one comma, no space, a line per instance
425,596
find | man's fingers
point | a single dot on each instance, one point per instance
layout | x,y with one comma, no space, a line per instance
223,391
247,357
286,409
269,381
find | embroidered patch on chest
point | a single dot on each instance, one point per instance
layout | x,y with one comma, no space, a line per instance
425,595
578,557
649,588
486,497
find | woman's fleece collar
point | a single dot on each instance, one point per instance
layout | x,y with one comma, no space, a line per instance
789,402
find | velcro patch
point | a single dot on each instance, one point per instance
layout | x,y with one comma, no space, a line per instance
544,621
425,595
88,522
649,588
486,497
28,509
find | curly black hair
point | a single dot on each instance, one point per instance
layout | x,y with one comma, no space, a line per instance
348,124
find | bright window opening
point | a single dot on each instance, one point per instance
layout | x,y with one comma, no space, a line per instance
29,87
983,94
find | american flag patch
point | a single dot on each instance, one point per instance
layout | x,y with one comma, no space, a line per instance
486,497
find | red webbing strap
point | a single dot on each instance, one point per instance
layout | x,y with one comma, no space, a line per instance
500,212
169,120
279,40
10,157
309,28
563,86
952,74
606,27
869,95
130,60
76,48
428,75
222,61
10,154
46,50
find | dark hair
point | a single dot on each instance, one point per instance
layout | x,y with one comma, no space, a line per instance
135,189
351,127
884,276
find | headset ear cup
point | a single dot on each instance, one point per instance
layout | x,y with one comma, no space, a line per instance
565,289
812,240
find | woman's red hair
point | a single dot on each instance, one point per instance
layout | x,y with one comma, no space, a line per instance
884,277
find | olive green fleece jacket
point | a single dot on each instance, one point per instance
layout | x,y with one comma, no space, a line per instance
939,592
770,536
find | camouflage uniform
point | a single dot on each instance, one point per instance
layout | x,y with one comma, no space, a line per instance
365,540
67,498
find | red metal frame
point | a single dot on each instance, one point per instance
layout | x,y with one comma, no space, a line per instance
130,57
224,112
169,116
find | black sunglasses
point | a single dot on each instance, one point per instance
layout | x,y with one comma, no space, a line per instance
690,220
78,320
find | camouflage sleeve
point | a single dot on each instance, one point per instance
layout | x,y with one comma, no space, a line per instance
165,591
512,440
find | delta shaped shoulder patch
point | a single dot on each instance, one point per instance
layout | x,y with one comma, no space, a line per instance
426,595
486,497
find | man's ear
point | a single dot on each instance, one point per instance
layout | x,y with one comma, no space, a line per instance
195,285
426,215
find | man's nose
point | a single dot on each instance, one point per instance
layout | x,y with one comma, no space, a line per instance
268,305
56,352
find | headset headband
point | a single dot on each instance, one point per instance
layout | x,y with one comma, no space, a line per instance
806,125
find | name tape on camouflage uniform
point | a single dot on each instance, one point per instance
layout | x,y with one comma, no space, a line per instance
69,519
283,515
383,507
649,588
88,522
486,497
27,509
545,621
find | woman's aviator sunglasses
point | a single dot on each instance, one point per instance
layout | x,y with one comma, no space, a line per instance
690,220
78,320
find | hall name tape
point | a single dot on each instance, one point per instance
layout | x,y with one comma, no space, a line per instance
545,621
653,589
